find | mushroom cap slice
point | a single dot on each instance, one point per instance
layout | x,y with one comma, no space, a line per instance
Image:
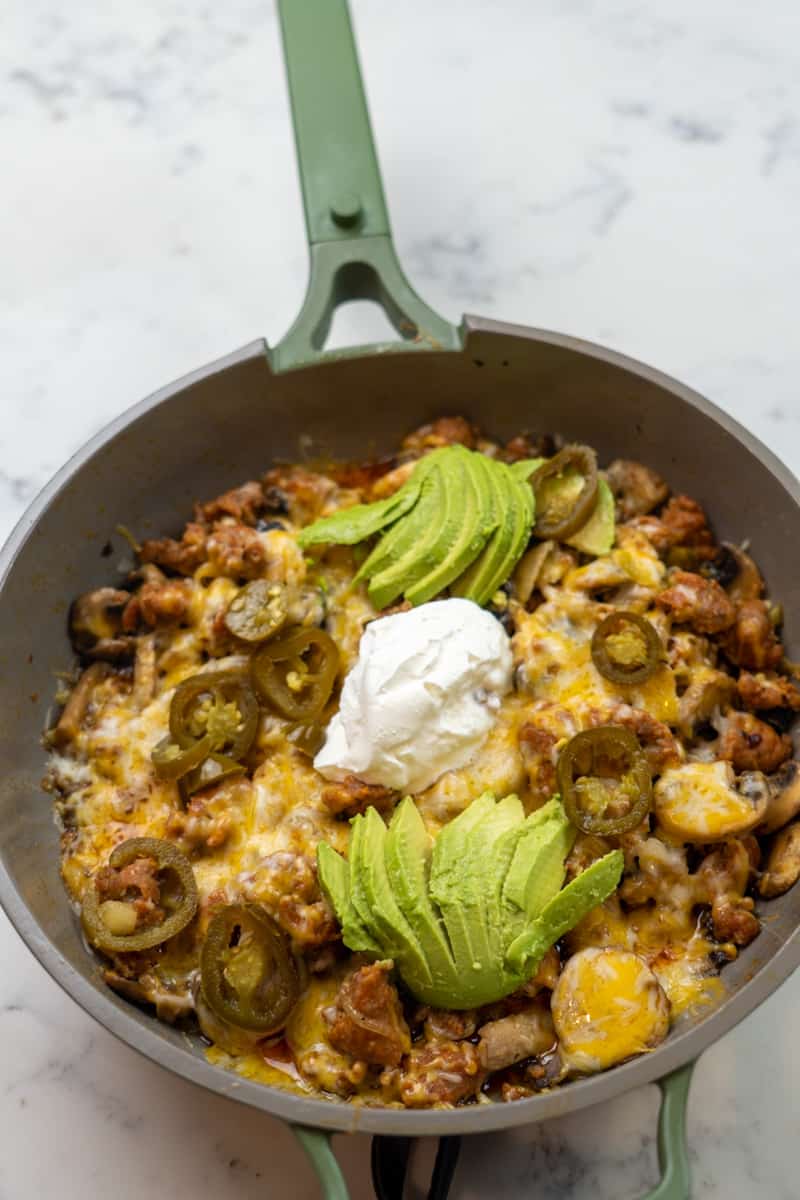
784,799
607,1006
704,802
783,865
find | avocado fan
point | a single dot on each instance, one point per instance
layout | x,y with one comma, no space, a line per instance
466,918
461,521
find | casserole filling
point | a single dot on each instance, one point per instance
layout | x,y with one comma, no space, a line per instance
430,781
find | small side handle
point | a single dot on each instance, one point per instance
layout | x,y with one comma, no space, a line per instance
673,1152
317,1145
350,242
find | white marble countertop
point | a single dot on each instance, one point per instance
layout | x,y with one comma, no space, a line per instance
626,172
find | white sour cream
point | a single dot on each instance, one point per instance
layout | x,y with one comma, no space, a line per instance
421,697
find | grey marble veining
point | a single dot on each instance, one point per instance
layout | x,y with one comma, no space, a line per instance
626,172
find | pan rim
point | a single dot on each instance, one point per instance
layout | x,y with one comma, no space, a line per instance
342,1116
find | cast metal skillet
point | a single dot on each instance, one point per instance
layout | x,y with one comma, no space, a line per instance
224,423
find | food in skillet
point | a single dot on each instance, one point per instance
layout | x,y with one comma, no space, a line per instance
430,781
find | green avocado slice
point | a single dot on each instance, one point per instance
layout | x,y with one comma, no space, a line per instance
546,876
597,535
456,510
491,848
523,468
448,874
403,534
408,854
537,868
523,510
479,858
334,880
471,584
565,910
471,503
356,524
375,902
399,549
505,546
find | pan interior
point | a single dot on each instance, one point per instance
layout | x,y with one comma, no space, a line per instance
228,423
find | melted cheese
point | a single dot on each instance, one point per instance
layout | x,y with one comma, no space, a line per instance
607,1006
612,1005
699,802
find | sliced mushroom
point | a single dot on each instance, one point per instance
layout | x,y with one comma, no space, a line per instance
529,568
607,1006
69,723
747,583
709,690
704,802
784,798
95,624
522,1035
235,1041
783,863
148,989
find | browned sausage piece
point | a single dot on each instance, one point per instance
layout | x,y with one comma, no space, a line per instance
693,600
236,550
750,744
682,523
767,690
183,557
637,489
447,431
242,503
349,796
752,642
440,1072
366,1020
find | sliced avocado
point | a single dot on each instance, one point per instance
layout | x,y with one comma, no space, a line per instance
491,848
516,503
408,854
471,584
456,510
447,876
375,901
523,509
525,467
542,830
597,535
473,501
403,534
565,910
546,875
508,542
351,525
334,880
415,534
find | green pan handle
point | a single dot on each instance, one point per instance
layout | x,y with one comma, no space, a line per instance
317,1145
673,1156
350,242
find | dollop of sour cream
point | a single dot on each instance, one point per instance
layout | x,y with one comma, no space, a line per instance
421,697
